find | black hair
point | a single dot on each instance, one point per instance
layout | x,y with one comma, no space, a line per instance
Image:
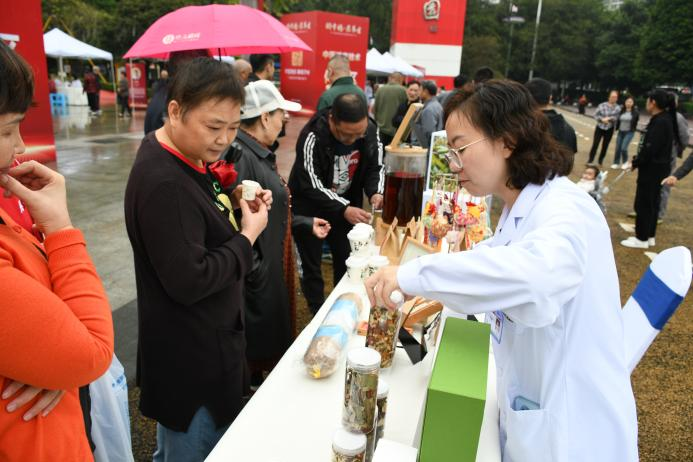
258,62
459,81
349,107
666,101
412,82
483,74
16,82
505,110
540,90
203,79
178,58
430,87
594,168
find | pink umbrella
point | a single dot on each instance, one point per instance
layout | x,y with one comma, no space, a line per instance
223,29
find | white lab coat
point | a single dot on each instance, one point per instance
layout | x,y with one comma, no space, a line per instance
550,274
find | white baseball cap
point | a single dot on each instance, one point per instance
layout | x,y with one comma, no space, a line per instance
262,96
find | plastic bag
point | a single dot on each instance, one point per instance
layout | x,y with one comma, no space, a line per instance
110,416
329,341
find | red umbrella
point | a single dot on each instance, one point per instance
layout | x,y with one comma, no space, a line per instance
229,29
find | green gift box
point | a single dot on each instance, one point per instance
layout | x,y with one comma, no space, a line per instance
456,393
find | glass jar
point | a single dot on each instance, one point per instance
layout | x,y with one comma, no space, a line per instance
381,404
360,390
405,170
348,446
383,326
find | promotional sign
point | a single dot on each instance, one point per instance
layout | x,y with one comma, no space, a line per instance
20,28
429,33
137,80
328,34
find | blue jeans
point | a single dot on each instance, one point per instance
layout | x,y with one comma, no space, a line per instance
622,141
191,446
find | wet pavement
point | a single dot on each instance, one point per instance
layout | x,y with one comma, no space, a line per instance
95,155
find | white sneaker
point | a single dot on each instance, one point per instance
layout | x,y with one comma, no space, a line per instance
614,166
651,242
635,243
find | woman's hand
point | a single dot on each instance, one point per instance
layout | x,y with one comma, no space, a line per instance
262,195
42,190
253,223
321,228
381,285
45,404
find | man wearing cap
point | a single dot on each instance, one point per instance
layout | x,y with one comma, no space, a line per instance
338,160
269,294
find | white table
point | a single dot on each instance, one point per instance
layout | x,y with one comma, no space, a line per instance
292,417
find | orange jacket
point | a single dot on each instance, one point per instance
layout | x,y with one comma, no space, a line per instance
56,332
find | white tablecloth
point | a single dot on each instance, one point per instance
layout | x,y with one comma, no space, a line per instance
292,417
75,96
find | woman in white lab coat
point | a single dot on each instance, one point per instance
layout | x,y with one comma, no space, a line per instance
547,281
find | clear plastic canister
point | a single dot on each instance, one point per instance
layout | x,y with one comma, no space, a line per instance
348,446
383,326
360,390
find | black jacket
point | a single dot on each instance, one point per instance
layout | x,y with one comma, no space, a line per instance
312,175
633,121
561,130
190,264
653,160
266,300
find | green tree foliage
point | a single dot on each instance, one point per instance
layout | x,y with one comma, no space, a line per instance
619,46
667,43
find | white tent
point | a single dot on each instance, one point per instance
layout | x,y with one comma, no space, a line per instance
375,64
384,64
402,66
57,44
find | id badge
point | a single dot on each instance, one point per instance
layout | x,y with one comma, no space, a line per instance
496,320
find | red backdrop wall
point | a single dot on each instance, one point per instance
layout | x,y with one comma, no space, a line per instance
23,18
303,73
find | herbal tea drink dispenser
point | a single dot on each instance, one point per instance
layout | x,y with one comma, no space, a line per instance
405,173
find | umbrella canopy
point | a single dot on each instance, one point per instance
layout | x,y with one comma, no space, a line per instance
58,44
221,29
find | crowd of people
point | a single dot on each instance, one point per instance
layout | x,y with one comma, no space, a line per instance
215,269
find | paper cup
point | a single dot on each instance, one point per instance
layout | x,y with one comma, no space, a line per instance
363,227
356,268
375,263
359,240
250,188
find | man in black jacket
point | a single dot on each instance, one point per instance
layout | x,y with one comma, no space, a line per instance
560,129
338,159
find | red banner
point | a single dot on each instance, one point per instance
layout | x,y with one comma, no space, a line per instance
434,22
429,34
137,79
20,27
328,34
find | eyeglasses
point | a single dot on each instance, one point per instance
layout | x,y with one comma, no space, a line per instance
456,159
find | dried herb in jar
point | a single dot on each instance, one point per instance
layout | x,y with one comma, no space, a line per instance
383,325
361,390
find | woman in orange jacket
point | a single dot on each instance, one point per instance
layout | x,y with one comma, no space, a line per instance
56,331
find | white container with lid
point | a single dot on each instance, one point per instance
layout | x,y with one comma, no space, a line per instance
361,390
348,446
